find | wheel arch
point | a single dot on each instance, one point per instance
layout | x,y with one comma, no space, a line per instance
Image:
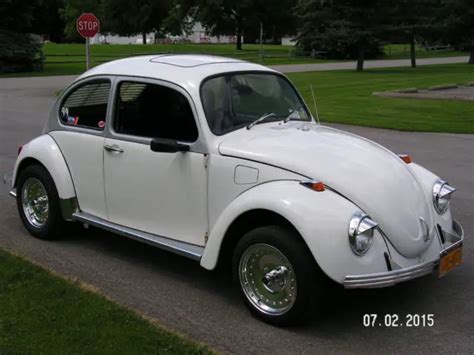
24,164
246,222
271,203
45,152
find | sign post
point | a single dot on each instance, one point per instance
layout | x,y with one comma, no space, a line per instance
88,54
87,25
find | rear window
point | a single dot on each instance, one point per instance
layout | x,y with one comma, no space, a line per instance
86,105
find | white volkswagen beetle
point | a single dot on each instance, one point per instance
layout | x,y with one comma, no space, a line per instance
220,160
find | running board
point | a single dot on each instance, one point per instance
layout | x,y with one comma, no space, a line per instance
185,249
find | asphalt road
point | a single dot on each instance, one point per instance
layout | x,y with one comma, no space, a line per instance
202,304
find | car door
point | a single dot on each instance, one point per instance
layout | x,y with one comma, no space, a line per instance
80,136
161,193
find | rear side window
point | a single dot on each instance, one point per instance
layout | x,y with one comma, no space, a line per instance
86,106
154,111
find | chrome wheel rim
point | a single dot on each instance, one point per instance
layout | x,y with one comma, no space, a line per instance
35,202
267,279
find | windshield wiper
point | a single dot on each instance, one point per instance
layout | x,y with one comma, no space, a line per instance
261,118
287,118
268,115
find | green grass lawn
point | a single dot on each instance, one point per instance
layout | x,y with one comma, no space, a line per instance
42,313
64,59
346,97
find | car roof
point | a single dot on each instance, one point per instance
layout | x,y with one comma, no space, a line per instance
183,69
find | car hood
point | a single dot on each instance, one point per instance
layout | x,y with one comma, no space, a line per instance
369,175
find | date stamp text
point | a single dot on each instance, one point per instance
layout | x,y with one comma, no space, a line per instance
372,320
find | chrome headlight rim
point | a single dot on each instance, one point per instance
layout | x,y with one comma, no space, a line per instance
361,224
442,190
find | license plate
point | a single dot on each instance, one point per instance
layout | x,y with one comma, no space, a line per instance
450,261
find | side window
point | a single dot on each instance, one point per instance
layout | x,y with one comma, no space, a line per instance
155,111
86,106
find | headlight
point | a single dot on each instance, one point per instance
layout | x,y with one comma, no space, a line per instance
442,195
361,232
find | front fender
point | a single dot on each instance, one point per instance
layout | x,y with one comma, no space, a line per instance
427,179
45,150
321,218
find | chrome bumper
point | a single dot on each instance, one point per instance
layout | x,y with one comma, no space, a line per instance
7,179
389,278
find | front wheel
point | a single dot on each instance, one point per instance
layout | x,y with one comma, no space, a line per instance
38,203
278,277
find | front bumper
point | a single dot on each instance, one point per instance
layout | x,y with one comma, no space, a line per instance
389,278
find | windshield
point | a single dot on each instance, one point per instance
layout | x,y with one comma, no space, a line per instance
232,101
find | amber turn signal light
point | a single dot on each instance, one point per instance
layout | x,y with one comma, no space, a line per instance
314,185
406,158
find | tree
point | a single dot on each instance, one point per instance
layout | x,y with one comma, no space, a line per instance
412,20
275,22
48,20
127,18
178,20
220,17
17,15
343,27
235,17
457,19
19,51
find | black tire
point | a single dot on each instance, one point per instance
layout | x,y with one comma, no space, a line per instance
308,275
54,224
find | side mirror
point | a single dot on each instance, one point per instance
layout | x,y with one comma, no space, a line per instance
167,146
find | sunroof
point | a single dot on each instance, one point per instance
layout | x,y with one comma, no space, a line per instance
191,60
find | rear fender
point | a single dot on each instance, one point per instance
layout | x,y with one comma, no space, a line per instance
45,151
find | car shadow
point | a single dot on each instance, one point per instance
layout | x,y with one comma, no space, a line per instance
337,305
143,255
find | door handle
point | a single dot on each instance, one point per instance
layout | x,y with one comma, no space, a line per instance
113,148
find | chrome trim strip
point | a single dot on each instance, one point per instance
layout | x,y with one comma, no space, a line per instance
390,278
185,249
12,193
450,248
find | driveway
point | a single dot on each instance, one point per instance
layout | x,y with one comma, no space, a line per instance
202,305
368,64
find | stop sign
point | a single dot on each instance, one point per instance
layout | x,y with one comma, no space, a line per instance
87,25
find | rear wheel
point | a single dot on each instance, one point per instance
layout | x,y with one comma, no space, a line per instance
38,203
277,275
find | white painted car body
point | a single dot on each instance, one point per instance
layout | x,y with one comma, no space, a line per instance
193,200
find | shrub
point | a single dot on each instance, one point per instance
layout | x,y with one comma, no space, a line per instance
19,52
